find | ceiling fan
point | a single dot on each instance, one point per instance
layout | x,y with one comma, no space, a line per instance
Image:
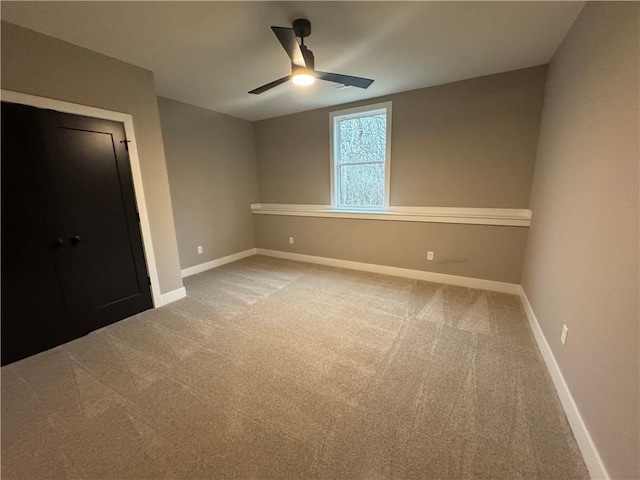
303,70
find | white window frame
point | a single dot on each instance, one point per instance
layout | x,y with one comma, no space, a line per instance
362,111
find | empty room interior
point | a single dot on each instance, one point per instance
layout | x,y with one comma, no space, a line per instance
345,240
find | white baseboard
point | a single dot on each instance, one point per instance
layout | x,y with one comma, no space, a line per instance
173,295
592,458
203,267
397,272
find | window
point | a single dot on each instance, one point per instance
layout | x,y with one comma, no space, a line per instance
360,160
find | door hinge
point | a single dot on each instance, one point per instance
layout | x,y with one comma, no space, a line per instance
149,280
126,144
138,215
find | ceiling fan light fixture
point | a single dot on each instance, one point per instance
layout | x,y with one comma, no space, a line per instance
303,70
303,78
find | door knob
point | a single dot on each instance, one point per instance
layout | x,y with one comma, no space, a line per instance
75,240
58,243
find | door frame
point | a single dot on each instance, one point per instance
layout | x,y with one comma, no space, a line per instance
134,160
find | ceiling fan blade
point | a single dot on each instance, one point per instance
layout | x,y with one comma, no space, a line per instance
289,42
345,79
270,85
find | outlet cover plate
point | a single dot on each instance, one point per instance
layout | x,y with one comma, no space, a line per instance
563,337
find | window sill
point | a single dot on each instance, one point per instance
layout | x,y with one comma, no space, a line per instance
474,216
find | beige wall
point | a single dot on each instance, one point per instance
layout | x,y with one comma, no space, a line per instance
582,258
40,65
211,161
465,144
478,251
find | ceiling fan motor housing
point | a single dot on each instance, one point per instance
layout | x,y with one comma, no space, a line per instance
302,27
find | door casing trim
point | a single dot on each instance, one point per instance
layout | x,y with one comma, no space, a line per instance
134,160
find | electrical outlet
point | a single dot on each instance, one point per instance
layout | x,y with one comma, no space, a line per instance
290,240
563,337
429,255
199,249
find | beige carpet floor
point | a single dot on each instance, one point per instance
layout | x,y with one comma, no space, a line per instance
277,369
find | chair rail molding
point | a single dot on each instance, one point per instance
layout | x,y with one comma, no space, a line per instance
476,216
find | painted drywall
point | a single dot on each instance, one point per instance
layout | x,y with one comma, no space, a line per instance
465,144
40,65
477,251
581,265
211,162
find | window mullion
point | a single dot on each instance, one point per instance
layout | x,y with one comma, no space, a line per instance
361,163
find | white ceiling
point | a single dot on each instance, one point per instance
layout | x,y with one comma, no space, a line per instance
210,54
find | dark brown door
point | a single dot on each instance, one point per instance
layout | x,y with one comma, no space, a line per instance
35,315
87,220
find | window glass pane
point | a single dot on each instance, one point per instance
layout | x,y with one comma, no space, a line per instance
363,139
362,185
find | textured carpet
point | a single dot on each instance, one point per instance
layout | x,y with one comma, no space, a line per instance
277,369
